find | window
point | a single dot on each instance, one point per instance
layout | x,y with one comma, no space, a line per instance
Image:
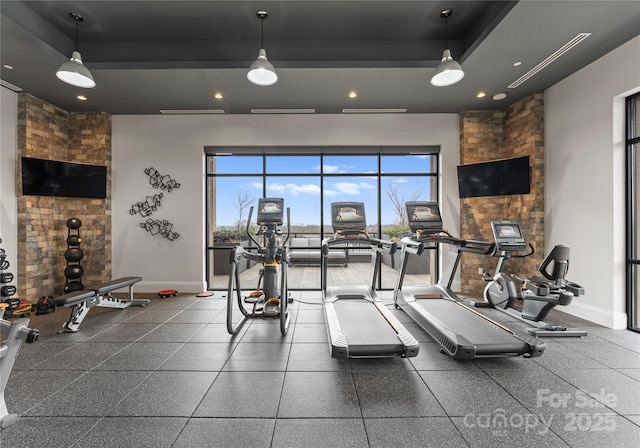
633,211
309,180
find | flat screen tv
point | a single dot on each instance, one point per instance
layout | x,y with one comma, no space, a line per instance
42,177
497,178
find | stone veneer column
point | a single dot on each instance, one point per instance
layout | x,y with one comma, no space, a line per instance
491,135
47,132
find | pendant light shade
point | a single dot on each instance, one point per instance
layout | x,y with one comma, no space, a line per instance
261,72
73,72
448,72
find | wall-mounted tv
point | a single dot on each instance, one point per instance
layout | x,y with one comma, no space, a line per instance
42,177
497,178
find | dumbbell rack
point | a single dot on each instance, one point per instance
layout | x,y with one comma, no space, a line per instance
7,290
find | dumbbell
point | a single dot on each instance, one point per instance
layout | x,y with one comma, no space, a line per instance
7,291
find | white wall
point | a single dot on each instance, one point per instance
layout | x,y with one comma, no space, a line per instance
8,155
174,145
585,180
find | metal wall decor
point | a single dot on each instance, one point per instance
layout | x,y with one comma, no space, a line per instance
151,204
147,207
157,180
162,228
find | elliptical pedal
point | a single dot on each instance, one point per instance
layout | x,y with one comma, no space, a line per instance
272,307
254,297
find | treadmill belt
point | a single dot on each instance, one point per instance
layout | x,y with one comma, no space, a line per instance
487,337
365,328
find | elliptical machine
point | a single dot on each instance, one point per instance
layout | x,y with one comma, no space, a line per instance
270,301
539,295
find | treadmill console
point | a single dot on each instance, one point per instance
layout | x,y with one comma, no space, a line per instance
348,218
508,234
424,217
270,211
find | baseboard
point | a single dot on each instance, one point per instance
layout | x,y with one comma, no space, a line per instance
181,287
610,319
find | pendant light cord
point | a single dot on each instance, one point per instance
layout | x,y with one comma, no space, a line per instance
261,32
446,32
76,19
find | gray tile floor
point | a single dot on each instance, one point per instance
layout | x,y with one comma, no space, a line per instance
169,375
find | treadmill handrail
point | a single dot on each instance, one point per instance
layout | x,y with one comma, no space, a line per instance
473,246
387,247
412,246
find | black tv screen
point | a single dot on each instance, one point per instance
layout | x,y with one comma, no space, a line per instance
42,177
497,178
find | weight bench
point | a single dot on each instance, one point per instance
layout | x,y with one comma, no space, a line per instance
98,295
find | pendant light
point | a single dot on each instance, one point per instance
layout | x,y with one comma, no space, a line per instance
73,71
261,72
448,71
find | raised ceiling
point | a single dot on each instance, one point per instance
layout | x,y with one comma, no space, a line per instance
148,56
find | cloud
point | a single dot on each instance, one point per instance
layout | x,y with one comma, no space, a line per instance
332,169
294,189
352,188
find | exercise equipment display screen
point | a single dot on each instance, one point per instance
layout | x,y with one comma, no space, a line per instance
507,232
348,216
270,211
423,216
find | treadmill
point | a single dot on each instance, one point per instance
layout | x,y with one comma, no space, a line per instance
359,325
461,331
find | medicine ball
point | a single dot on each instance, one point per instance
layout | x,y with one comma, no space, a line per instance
74,240
73,286
74,223
73,271
73,255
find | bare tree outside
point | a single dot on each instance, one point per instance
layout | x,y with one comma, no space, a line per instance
398,204
244,200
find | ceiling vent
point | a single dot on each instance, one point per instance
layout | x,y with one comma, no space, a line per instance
373,111
562,50
191,111
9,86
283,111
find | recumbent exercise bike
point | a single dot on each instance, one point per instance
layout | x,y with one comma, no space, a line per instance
539,295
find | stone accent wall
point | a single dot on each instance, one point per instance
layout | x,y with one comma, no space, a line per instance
47,132
491,135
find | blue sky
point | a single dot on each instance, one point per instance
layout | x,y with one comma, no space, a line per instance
347,178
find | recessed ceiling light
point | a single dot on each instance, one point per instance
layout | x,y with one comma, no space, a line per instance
481,94
82,97
353,94
499,96
8,67
218,95
516,64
